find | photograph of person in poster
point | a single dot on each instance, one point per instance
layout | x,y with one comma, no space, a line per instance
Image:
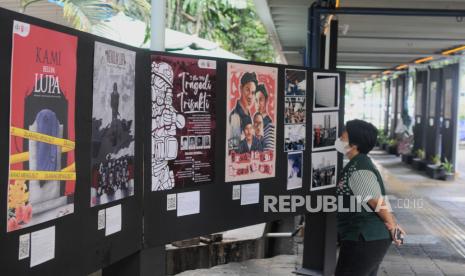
112,124
251,122
183,115
294,170
296,82
42,135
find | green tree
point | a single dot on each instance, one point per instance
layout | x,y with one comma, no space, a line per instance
237,30
82,14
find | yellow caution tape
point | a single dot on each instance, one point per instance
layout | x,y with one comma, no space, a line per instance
19,157
70,168
41,175
24,156
31,135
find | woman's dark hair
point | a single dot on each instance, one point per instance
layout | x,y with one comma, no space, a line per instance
362,134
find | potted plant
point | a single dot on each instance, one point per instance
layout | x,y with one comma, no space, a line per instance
434,169
392,147
448,171
419,162
382,140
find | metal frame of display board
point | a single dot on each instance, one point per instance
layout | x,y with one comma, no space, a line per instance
432,146
421,101
450,99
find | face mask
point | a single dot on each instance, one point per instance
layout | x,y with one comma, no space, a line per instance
341,146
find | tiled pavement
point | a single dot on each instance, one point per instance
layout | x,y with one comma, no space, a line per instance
432,213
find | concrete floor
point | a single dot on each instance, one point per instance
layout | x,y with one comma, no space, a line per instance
432,213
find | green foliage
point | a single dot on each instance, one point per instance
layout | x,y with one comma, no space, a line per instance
82,14
420,154
448,166
392,142
382,138
436,159
236,30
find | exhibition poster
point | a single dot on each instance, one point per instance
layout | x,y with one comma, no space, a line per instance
42,135
112,124
324,170
183,121
295,109
251,122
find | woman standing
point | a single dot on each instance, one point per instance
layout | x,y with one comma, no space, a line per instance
365,235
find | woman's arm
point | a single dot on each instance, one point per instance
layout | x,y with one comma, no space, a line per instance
385,213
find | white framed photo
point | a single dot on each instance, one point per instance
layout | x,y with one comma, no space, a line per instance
325,91
324,130
324,170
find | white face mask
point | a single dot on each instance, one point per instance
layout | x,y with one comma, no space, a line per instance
341,146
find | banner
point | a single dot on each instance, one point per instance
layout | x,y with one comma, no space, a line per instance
250,122
42,136
112,124
183,121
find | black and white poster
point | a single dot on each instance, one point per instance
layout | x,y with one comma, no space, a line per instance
112,124
324,168
325,91
324,131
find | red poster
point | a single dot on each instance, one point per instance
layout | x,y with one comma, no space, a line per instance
251,122
42,138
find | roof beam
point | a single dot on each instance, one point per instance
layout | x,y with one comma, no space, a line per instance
393,12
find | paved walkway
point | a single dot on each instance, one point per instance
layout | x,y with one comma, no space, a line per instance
432,212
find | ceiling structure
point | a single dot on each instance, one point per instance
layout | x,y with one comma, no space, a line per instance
367,44
370,43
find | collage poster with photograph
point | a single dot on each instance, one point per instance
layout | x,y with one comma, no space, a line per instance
295,110
42,136
251,122
324,170
183,121
113,123
294,170
325,127
325,91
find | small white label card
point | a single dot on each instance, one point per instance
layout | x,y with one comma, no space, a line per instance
236,192
250,193
170,202
42,246
101,219
188,203
113,220
24,246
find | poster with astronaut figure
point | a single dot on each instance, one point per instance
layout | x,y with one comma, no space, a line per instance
183,121
112,124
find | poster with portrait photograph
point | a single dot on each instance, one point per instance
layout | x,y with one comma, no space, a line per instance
294,110
324,170
183,121
251,122
295,82
324,130
113,125
325,91
294,170
42,136
294,137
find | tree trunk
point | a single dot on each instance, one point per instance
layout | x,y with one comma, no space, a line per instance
178,16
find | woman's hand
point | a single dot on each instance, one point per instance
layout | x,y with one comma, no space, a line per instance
397,234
